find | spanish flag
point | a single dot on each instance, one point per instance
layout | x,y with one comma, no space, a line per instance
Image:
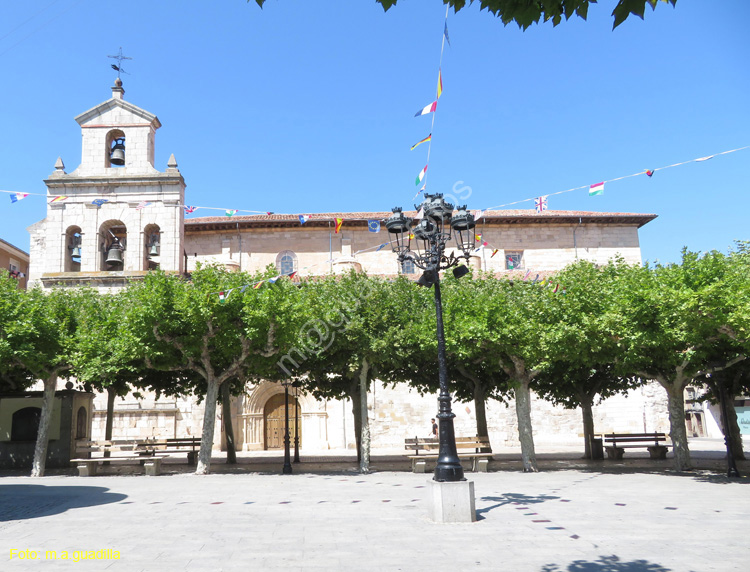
425,140
440,83
257,285
339,222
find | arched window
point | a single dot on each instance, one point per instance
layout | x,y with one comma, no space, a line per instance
286,262
113,244
114,153
152,247
81,425
25,424
73,245
408,267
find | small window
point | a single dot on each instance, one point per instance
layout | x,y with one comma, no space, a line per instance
286,262
514,260
408,266
25,424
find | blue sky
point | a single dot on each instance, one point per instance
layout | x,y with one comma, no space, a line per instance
308,106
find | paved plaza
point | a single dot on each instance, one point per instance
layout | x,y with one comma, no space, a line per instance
613,517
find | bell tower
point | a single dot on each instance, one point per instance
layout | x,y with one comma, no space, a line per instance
116,216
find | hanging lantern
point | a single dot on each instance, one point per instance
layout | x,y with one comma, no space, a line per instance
399,227
463,224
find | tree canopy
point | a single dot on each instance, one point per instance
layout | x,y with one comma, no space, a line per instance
524,14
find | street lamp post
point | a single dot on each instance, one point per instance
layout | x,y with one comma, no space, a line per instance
431,234
296,426
287,470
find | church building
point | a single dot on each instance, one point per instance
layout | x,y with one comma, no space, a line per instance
117,216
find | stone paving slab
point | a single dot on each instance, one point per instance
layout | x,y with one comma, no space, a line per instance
564,520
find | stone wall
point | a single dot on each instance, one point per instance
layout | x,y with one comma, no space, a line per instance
545,247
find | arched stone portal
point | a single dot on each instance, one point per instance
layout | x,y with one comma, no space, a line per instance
268,397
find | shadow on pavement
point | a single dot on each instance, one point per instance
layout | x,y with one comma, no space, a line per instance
512,498
607,564
21,502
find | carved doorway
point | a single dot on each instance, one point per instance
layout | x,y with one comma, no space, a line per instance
274,420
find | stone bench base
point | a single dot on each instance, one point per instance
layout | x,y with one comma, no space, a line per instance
90,467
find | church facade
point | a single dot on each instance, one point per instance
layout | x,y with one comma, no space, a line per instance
117,216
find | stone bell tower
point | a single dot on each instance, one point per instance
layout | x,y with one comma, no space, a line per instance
116,216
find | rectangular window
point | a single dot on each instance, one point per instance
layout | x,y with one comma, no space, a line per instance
408,267
514,260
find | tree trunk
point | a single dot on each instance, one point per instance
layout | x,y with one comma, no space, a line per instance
226,416
677,430
209,422
481,413
735,436
588,426
111,395
364,463
42,437
525,434
356,412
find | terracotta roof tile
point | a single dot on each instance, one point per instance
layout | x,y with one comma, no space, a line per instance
517,215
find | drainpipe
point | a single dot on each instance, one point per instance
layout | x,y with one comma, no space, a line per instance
575,244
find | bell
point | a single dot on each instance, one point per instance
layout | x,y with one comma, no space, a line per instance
117,156
76,252
154,250
114,254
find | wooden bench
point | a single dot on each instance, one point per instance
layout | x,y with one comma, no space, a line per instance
188,445
116,452
479,460
616,443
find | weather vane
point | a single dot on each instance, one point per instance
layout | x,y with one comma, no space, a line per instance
119,57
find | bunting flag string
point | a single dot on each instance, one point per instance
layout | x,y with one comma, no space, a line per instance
432,107
592,190
648,172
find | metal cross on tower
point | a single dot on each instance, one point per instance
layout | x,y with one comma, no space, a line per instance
119,57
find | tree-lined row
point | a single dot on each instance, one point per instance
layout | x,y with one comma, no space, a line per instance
615,326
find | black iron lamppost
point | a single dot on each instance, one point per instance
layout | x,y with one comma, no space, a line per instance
287,470
431,234
296,426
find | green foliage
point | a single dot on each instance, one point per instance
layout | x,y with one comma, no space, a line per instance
182,326
678,318
524,14
38,330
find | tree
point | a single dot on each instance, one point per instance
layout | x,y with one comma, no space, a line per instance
676,319
531,12
472,377
104,360
39,339
584,350
187,326
343,342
